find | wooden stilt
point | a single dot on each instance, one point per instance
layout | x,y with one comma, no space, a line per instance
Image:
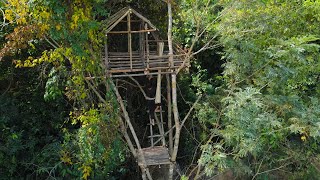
144,175
127,138
169,114
152,57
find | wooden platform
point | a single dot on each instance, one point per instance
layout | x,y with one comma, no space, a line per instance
157,155
119,62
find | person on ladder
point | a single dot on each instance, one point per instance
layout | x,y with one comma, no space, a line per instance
153,104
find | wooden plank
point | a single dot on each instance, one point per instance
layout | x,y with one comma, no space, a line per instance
126,66
126,70
126,62
139,74
115,60
157,155
137,53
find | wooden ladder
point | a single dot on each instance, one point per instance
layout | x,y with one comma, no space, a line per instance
159,123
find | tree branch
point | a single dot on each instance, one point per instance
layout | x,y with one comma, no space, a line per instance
141,89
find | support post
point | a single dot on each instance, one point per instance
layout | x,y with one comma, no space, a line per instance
147,46
129,38
169,114
106,60
142,45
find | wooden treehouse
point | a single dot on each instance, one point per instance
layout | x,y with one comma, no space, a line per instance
134,48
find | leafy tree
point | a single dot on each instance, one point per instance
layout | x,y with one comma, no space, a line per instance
30,127
266,115
64,39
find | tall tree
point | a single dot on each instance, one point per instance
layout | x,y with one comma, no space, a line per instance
266,115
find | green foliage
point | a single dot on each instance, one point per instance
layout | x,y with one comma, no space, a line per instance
64,40
266,119
30,127
195,19
53,87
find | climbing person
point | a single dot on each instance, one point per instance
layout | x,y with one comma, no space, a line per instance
150,92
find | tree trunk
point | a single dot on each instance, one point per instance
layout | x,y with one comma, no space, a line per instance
174,95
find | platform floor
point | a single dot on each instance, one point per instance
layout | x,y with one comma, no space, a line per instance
157,155
119,62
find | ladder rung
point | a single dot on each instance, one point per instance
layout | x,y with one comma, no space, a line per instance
155,136
158,111
155,111
157,123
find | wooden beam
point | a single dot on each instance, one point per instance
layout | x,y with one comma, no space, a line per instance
131,21
143,18
115,16
137,74
117,22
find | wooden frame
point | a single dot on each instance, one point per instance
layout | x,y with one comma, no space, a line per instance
147,57
150,58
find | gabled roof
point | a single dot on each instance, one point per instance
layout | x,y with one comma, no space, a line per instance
115,19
